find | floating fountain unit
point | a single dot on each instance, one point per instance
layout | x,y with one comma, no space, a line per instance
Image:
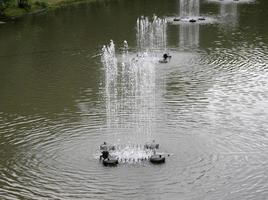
190,13
231,1
133,154
129,92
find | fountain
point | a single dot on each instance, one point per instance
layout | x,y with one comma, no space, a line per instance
231,1
129,98
151,35
109,61
189,21
189,12
229,11
130,90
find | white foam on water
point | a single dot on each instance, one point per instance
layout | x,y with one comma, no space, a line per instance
131,153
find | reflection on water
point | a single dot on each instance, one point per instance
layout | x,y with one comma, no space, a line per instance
229,14
189,36
228,11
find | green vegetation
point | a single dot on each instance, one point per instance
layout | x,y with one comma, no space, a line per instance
18,8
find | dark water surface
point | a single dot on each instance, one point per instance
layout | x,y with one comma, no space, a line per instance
209,110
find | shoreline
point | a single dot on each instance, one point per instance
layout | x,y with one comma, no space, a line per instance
14,12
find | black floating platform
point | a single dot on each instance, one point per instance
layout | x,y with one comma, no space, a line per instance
157,159
162,61
192,20
110,162
201,19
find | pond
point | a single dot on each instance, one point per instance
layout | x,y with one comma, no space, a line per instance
62,94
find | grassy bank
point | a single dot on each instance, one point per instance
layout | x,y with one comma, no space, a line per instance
19,8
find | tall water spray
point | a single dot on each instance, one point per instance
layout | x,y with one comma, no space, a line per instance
129,93
109,61
130,88
189,8
151,34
